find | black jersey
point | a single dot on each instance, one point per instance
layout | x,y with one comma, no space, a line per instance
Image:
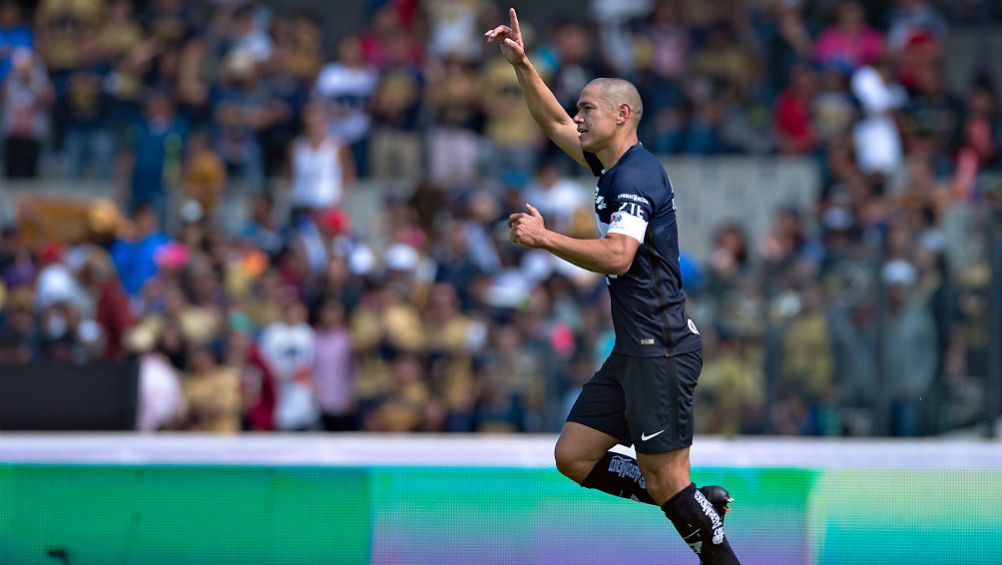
635,198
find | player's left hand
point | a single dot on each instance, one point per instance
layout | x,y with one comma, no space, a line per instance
527,229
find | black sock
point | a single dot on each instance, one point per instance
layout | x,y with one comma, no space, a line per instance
700,526
619,475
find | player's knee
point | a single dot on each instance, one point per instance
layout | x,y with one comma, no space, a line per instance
571,464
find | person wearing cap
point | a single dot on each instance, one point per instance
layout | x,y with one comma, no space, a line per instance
910,354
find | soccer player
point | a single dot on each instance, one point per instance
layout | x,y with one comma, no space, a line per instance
642,395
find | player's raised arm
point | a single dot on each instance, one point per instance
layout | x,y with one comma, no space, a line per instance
543,105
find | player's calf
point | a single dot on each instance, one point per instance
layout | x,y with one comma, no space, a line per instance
619,475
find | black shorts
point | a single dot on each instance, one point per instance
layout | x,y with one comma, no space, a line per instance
642,401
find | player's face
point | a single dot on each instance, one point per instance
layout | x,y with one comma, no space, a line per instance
596,120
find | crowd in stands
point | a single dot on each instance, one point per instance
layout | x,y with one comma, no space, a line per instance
866,313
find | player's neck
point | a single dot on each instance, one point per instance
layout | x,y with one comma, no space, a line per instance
611,155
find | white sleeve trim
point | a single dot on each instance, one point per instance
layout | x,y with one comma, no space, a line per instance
628,224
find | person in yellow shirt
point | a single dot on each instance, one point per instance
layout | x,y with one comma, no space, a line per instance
212,393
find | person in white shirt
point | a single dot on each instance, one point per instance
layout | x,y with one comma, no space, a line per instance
321,166
346,85
556,196
287,347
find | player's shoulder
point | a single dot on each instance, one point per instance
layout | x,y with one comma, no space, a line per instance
641,170
639,161
642,158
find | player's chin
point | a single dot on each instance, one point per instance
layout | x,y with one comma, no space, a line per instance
589,143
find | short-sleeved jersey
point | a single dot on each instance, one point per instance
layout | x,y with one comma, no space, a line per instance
635,198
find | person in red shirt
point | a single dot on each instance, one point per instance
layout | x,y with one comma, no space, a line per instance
792,113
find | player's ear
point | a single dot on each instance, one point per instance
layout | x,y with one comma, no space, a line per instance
624,114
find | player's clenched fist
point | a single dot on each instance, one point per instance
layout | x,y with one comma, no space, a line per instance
527,229
509,39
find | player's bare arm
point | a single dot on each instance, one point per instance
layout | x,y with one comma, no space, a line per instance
611,255
543,105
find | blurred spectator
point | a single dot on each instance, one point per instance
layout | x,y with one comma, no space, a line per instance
389,33
288,346
403,407
724,59
789,255
286,78
876,136
89,141
454,263
257,384
670,41
911,19
910,353
793,124
395,150
833,108
346,86
62,26
204,174
245,107
161,403
568,63
981,132
261,229
729,261
455,26
111,309
453,98
25,98
212,393
14,34
850,42
805,390
786,41
152,164
931,124
333,370
171,22
730,391
662,48
451,350
511,134
703,134
126,51
321,167
248,31
134,255
555,196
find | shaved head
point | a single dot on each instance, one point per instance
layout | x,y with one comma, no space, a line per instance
618,91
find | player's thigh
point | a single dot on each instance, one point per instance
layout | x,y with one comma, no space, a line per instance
659,397
579,443
601,404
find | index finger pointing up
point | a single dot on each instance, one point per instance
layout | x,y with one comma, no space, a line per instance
514,22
